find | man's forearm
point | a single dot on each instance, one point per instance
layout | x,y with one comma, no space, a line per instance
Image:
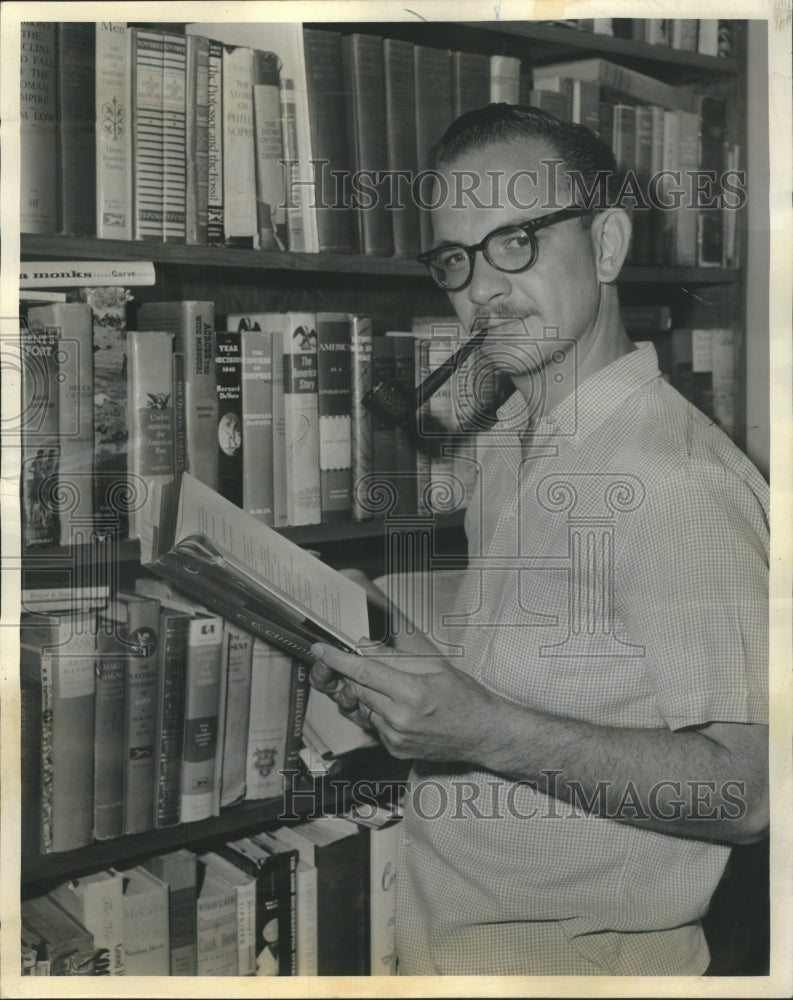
708,783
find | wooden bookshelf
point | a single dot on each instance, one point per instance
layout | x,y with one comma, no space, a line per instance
234,258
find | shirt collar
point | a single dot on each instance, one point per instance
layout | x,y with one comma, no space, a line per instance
598,396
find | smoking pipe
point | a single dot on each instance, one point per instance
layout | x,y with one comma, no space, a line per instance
393,403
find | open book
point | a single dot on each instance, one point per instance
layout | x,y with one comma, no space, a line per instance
240,568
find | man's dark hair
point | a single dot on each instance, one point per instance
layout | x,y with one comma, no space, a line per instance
581,150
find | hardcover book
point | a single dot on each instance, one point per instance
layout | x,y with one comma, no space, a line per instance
327,121
432,115
111,685
71,323
623,83
232,754
471,79
216,926
170,716
239,149
113,118
335,406
215,183
301,419
76,134
400,98
178,871
230,444
202,682
57,658
270,189
258,471
97,902
197,141
192,324
53,942
148,139
268,721
146,925
38,130
244,888
249,573
364,71
360,418
150,416
174,112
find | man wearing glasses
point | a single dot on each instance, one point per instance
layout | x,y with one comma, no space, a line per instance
584,766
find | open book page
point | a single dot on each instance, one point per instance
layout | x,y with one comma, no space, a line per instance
266,562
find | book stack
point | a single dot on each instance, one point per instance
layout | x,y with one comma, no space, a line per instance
311,899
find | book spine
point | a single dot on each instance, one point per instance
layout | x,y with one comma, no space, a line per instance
235,738
710,237
666,238
432,113
140,717
150,413
404,450
280,485
723,349
169,734
423,460
245,892
383,844
197,141
504,79
30,740
71,696
298,703
111,683
76,138
364,72
72,324
327,119
270,211
204,648
360,419
179,414
301,420
38,129
216,929
174,111
220,598
708,37
306,920
99,906
586,103
296,238
643,158
198,326
239,148
268,721
178,870
111,428
40,438
384,435
113,123
228,378
343,906
215,128
146,930
148,135
623,142
471,80
257,424
335,404
687,215
400,91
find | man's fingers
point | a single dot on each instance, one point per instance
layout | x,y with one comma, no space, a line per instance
368,672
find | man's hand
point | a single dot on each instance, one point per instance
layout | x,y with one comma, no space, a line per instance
422,707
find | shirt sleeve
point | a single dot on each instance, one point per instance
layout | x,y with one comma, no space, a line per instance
693,572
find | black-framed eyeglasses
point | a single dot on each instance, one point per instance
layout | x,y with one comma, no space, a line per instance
510,248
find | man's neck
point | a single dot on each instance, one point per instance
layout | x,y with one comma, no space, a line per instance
607,342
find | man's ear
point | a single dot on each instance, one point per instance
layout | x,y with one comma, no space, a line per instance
611,235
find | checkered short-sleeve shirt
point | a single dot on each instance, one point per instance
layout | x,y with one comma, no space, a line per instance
617,574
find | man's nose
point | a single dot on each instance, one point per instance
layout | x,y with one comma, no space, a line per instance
487,282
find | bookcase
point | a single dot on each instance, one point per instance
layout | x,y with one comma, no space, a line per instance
391,290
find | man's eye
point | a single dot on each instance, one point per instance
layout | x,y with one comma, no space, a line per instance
451,259
517,241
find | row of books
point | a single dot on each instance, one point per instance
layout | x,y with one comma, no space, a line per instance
132,133
316,898
146,709
268,412
707,36
663,153
145,713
